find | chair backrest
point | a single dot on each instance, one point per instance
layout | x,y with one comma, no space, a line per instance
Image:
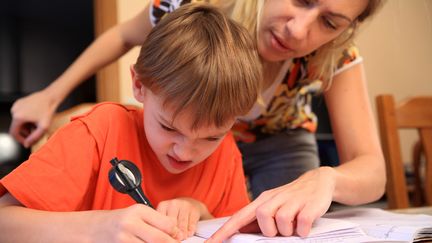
414,113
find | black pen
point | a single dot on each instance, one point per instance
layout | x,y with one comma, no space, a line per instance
125,177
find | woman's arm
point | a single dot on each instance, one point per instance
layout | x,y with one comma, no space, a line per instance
32,114
292,208
137,223
361,176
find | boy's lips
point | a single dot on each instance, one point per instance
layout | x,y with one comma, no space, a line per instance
178,164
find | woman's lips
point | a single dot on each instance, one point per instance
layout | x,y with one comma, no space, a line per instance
177,164
278,44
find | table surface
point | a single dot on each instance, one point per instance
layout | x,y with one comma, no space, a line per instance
416,210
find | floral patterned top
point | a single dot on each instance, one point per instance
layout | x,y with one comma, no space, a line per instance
287,103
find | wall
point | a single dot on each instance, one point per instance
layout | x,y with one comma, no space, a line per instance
397,49
127,9
396,45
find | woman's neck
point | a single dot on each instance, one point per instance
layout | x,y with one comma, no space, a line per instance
270,72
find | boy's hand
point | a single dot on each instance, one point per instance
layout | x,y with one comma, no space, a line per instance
137,223
186,212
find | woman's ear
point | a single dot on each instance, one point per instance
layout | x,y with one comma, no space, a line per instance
137,87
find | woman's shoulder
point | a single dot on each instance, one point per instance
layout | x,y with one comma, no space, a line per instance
348,55
159,8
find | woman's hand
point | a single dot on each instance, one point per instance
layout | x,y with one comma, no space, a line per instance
137,223
31,117
287,210
186,212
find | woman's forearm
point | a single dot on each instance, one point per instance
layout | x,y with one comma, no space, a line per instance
107,48
361,180
361,176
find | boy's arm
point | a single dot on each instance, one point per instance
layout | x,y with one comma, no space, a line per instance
137,223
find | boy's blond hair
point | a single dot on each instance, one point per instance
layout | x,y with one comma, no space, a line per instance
199,60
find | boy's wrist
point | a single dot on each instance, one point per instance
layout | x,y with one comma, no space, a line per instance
204,213
202,208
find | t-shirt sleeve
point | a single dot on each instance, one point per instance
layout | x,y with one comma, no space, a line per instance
58,176
235,196
348,58
159,8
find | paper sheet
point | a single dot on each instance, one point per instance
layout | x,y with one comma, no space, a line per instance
351,225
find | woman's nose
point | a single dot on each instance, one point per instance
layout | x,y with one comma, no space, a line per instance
299,26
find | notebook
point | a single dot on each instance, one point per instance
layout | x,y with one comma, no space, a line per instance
350,225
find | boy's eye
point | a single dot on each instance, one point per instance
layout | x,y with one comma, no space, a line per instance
167,128
213,139
306,3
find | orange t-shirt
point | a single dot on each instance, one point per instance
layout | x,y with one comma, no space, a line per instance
70,173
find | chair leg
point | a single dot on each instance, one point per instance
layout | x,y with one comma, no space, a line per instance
418,194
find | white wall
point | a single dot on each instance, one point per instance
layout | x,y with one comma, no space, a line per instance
396,46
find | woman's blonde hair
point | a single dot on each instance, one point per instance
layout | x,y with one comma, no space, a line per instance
248,13
326,57
199,60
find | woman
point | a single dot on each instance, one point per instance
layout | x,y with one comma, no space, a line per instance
305,47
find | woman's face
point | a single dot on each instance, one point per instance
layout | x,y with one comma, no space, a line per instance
295,28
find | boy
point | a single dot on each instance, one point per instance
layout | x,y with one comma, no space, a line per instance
196,72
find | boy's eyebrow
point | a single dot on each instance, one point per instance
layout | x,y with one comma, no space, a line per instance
219,135
165,121
177,130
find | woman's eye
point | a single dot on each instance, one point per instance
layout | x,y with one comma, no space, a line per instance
328,23
167,128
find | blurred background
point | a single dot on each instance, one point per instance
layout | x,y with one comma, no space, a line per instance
39,39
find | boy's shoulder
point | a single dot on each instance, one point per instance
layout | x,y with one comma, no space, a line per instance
107,109
109,117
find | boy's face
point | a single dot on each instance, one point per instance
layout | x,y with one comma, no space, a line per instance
177,147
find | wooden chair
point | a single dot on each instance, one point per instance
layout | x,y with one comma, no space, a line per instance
418,195
59,120
414,113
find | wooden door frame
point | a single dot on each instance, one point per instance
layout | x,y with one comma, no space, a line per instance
108,78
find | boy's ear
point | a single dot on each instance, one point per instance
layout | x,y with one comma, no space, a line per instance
137,87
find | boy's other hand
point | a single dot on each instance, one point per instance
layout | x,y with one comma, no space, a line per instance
186,212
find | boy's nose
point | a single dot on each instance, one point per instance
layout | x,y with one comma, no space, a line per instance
183,151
